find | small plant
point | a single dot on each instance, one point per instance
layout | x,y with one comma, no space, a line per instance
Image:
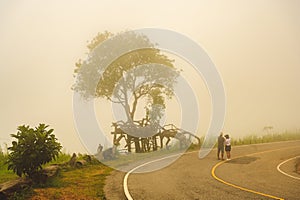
26,193
33,148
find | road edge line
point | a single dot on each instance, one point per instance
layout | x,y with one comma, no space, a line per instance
284,173
125,180
242,188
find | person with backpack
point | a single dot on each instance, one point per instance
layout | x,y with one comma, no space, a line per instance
221,141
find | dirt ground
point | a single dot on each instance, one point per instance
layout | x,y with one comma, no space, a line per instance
113,188
190,177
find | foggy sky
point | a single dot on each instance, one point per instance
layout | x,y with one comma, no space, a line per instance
255,45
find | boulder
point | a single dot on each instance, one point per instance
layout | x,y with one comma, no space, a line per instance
80,163
50,171
10,187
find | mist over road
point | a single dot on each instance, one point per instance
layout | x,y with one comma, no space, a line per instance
252,167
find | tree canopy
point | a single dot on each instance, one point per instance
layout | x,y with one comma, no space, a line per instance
132,74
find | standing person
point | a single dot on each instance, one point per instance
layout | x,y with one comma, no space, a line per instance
227,146
221,141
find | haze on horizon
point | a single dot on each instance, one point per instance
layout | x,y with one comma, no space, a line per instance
255,45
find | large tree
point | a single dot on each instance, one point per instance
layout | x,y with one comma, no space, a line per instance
141,73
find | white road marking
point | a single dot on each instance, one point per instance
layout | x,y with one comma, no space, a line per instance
125,180
240,187
278,168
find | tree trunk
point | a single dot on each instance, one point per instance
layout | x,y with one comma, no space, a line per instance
137,145
134,104
128,143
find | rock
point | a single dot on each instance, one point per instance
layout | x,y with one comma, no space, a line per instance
51,170
87,158
99,156
10,187
72,161
108,154
80,163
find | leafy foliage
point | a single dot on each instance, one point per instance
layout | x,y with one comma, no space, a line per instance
33,148
97,77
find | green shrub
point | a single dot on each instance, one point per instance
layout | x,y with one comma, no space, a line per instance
33,148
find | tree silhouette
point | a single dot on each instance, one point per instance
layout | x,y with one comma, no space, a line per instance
140,73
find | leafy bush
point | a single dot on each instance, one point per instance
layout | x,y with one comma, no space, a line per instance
33,148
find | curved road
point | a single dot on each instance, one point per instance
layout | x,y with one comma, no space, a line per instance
253,167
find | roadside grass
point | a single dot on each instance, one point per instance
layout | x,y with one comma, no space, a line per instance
256,139
25,194
8,175
125,159
275,137
62,158
5,175
86,182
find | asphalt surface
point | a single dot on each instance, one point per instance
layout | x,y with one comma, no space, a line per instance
252,167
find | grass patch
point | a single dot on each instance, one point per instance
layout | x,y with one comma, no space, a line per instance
86,182
8,175
5,175
123,160
276,137
26,193
62,158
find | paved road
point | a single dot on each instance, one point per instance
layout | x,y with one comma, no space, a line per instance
190,178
